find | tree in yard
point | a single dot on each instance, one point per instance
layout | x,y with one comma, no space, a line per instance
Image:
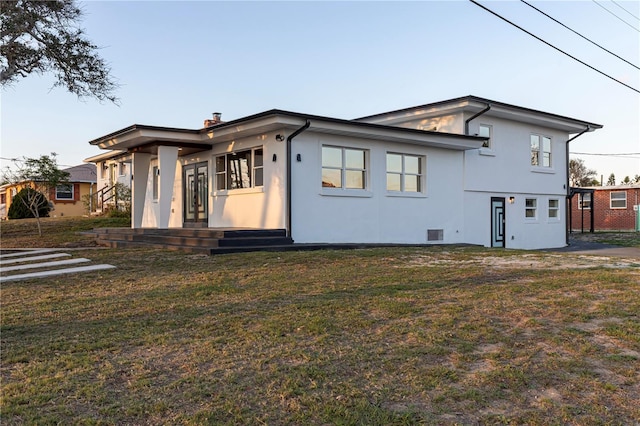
40,176
579,175
612,180
44,36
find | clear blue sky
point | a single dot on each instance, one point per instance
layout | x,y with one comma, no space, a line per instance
178,62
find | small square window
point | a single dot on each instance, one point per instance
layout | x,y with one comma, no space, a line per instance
618,200
554,208
485,132
584,201
531,206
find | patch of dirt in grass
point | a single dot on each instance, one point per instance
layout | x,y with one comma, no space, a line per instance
528,261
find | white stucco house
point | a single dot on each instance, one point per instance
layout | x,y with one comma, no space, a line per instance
465,170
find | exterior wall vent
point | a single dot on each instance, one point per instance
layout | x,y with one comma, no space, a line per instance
435,235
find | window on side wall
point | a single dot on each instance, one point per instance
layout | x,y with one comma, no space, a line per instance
122,168
344,168
484,130
554,209
618,200
64,192
156,182
405,173
584,201
531,208
540,151
239,170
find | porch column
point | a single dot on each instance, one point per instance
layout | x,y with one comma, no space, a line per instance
167,160
140,175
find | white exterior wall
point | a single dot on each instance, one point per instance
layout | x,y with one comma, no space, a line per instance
373,216
505,170
263,207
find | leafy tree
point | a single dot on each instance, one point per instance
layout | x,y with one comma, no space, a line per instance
579,175
42,175
636,179
612,180
20,205
45,36
626,180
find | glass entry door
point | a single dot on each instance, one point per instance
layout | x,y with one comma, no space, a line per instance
196,200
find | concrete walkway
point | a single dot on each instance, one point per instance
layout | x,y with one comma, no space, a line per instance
33,259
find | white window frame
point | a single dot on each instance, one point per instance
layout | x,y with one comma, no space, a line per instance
540,151
582,201
623,199
555,209
69,185
422,159
343,189
489,142
533,208
222,176
122,168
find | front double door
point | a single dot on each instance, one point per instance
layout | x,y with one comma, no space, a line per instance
196,200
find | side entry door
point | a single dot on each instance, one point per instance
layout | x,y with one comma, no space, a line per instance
196,182
497,222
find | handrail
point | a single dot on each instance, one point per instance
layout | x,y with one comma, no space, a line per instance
100,197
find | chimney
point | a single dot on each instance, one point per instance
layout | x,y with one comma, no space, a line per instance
208,122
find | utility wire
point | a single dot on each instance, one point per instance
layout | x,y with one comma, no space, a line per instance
616,15
575,32
551,45
616,3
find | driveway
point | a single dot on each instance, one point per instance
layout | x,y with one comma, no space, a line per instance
581,245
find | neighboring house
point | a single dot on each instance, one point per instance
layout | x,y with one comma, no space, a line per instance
66,199
465,170
113,167
613,208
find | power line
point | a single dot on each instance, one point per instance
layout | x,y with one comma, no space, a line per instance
575,32
616,15
616,3
631,155
551,45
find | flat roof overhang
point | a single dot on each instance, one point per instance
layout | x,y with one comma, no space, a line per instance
473,105
141,138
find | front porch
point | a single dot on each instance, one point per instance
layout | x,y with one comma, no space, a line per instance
196,240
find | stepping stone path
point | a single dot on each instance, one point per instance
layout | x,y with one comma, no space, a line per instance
15,265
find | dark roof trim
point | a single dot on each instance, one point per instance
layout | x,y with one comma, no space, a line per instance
274,112
135,127
471,98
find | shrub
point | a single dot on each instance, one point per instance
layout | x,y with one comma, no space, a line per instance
28,196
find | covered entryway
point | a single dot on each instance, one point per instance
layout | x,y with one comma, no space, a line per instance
497,222
195,189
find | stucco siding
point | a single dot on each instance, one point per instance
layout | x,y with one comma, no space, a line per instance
372,215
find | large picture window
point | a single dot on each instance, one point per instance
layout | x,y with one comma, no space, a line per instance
405,172
344,168
238,170
540,151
